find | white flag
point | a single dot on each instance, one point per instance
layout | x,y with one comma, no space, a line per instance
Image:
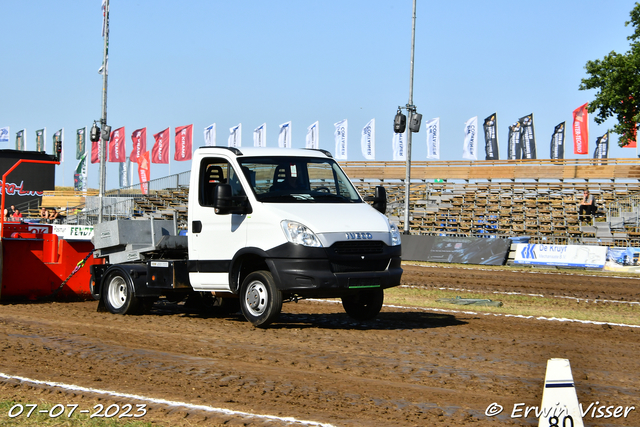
260,136
313,136
210,135
433,138
4,134
235,136
399,145
368,140
284,138
470,148
104,17
340,135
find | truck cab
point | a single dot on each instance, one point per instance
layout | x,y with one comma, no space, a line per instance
272,225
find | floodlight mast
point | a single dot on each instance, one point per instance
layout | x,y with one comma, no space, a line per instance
411,109
104,135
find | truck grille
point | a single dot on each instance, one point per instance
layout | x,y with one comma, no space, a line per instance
358,247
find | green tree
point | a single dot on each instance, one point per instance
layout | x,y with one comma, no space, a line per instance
616,78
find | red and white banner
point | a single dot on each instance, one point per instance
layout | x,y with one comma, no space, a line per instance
116,146
160,151
184,143
139,139
95,151
144,172
581,130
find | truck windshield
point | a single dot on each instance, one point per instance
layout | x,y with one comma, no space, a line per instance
298,180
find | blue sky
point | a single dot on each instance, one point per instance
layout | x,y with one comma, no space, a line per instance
251,62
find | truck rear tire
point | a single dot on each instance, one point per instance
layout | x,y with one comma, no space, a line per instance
260,299
118,293
364,305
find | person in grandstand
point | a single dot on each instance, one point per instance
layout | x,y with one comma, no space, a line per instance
587,206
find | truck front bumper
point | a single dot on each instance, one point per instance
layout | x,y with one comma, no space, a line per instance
335,275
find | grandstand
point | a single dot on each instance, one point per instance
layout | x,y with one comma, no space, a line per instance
506,199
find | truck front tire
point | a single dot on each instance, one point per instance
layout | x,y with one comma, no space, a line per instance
364,305
260,299
118,293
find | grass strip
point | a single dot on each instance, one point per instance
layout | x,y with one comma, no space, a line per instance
524,305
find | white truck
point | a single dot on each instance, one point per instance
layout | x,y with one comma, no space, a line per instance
264,226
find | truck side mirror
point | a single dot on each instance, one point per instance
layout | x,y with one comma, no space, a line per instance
225,203
379,200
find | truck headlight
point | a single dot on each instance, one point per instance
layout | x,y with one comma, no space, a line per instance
300,234
395,234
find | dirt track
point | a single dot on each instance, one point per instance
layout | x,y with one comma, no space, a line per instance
408,367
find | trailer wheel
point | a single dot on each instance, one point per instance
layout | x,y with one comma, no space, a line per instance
364,305
260,300
118,294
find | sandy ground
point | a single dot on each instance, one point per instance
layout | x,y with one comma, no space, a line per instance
408,367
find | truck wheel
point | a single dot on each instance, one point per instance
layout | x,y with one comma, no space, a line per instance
260,300
118,294
364,305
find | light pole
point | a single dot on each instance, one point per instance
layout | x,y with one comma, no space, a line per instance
105,134
414,120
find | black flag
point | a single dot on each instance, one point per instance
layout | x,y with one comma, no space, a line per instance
515,132
602,147
557,142
492,151
528,137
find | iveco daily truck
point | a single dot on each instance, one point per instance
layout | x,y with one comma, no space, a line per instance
264,226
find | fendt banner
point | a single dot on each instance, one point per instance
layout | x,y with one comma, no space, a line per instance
561,255
27,182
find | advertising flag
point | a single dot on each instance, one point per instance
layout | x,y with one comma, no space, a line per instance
633,141
260,136
284,137
602,147
470,147
123,173
184,143
80,174
4,134
340,136
144,171
581,130
368,140
21,140
399,144
139,139
313,136
491,146
116,146
210,135
557,142
528,138
433,138
81,142
59,136
160,150
515,147
235,136
95,151
41,140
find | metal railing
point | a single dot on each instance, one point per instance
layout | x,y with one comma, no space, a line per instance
172,181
